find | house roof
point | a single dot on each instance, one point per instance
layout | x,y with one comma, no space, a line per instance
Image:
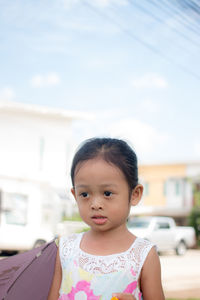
43,111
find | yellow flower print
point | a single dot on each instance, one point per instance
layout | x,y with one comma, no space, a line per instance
67,282
85,275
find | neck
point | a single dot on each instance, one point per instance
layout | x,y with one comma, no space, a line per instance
114,241
115,233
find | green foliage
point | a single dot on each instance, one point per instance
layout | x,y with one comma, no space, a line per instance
75,217
194,220
83,230
196,193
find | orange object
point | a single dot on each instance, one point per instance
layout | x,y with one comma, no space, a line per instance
114,298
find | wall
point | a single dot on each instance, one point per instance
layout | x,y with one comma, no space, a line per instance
33,146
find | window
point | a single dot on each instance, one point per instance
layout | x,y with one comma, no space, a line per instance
165,188
16,208
162,225
138,223
177,188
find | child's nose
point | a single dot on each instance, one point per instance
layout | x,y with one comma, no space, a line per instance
96,203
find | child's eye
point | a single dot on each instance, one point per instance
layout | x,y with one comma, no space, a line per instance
84,195
107,193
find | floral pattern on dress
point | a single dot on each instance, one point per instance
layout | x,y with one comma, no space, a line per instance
83,278
81,291
79,284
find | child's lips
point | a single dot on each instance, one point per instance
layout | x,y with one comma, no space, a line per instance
98,219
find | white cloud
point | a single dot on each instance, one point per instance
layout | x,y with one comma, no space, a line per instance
6,94
146,139
50,79
150,81
150,144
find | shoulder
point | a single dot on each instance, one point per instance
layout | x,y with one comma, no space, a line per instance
143,241
69,245
143,247
152,257
70,238
57,278
151,277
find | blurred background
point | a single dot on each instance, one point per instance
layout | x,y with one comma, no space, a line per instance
74,69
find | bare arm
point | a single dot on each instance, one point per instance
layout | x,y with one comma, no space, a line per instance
151,285
56,282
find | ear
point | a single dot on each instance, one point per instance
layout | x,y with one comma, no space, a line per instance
73,192
136,194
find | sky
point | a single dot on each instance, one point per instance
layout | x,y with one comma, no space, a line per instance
134,65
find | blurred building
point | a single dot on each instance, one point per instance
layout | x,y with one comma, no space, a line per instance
168,189
36,145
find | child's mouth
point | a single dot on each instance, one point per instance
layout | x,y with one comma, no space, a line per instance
100,220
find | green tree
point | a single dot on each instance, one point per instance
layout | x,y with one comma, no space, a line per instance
194,221
196,194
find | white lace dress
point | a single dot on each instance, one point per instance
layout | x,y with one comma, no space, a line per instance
91,277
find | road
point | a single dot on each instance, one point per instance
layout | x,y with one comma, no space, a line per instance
181,274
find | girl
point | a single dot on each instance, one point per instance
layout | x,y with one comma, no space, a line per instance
107,261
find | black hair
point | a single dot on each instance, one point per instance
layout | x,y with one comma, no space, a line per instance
114,151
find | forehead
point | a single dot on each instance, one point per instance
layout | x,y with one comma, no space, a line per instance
97,168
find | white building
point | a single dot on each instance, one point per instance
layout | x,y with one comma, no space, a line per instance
36,146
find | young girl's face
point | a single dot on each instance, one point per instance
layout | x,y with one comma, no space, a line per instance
102,194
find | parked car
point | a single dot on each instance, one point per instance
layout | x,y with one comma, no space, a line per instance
27,219
163,232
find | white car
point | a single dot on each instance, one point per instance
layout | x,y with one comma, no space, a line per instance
163,232
27,219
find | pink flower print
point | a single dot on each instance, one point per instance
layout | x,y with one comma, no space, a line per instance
131,287
140,295
133,272
84,287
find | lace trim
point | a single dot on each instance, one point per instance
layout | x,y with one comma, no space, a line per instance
133,258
